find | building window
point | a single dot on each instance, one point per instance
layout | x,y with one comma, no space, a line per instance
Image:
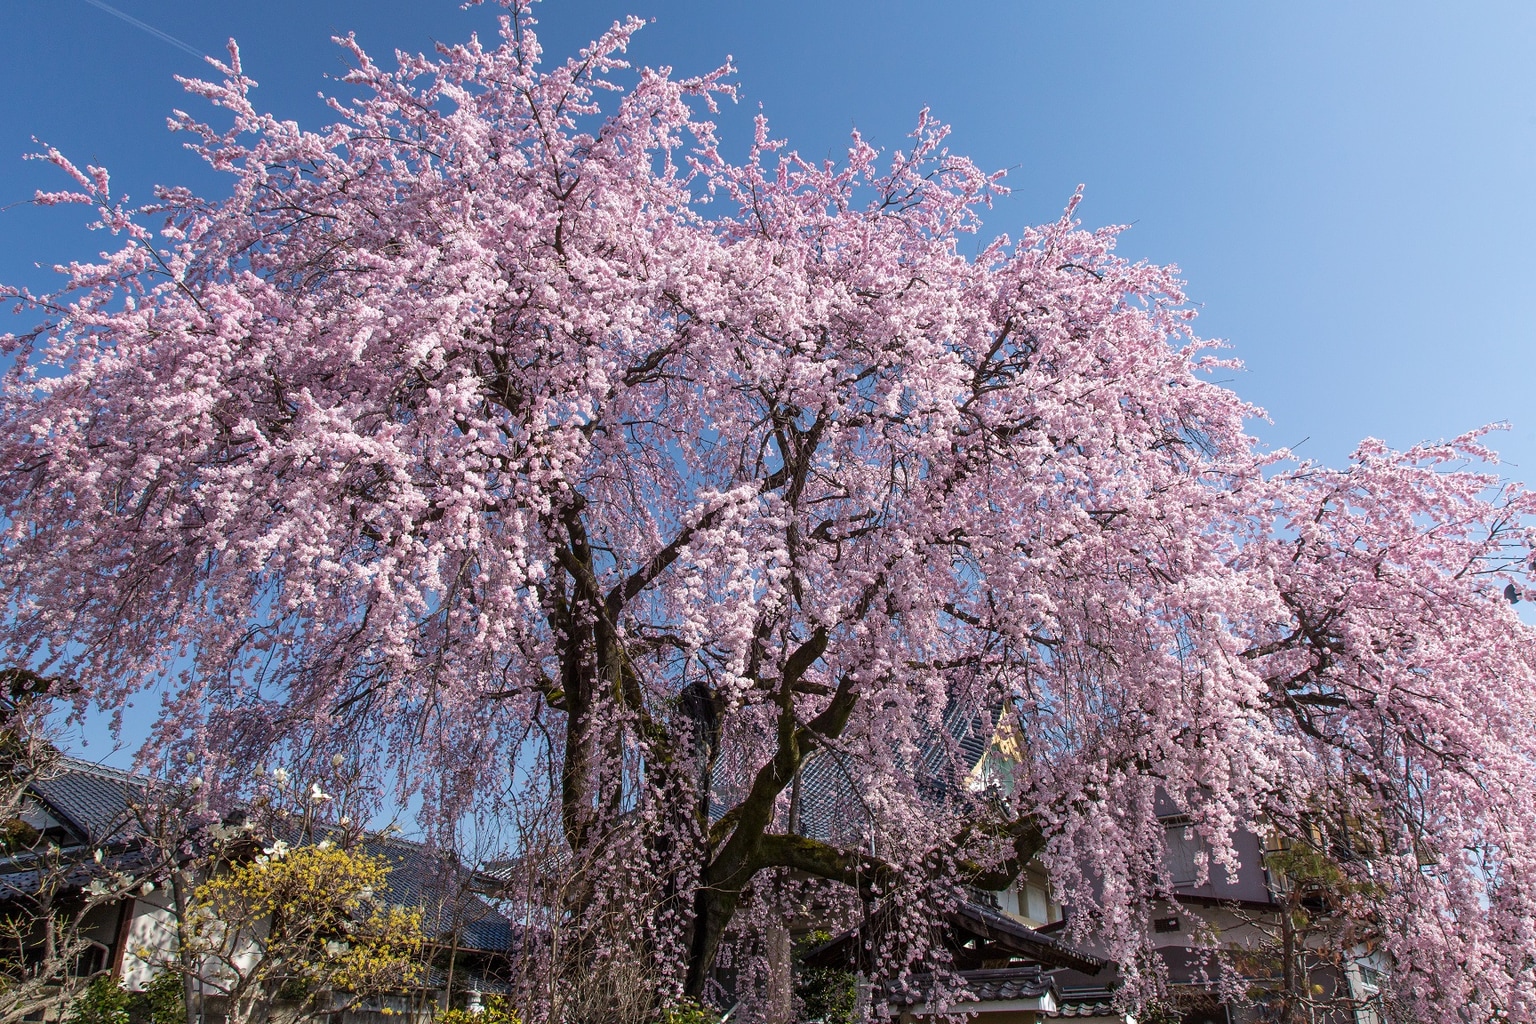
1035,900
1186,851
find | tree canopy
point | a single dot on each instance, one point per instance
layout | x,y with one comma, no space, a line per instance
506,433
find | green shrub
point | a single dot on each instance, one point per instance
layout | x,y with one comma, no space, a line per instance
826,994
163,1001
687,1012
103,1001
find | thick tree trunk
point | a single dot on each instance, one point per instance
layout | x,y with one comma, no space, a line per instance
780,994
713,910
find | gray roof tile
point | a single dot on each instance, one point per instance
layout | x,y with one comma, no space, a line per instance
991,985
96,802
97,805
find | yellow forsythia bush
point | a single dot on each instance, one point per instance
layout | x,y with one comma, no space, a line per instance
495,1011
310,918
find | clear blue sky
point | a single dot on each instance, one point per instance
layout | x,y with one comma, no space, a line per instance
1348,188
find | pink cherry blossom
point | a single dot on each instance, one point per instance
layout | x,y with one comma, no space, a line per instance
504,434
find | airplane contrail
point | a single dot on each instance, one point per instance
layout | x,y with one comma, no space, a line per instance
164,37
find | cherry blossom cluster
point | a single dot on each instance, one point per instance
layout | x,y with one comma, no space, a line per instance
504,434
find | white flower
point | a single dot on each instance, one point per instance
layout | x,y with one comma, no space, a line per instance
337,760
147,888
317,794
278,849
280,776
98,856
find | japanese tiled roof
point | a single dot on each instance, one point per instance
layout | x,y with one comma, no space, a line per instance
998,985
25,882
969,921
96,803
993,985
443,888
465,981
1084,1001
95,807
994,925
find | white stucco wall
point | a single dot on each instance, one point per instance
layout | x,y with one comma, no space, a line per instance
151,939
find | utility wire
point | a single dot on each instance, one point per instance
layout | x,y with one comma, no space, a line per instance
164,37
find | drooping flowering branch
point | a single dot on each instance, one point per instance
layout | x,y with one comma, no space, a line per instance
506,434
